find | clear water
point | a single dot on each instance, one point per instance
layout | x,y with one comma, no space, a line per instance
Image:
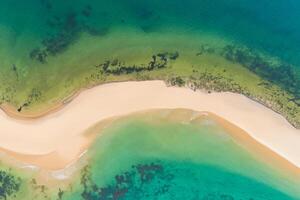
51,47
271,26
189,162
139,159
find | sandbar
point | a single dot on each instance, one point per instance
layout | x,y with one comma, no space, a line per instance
59,135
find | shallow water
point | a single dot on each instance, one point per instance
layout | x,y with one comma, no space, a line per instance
166,154
153,158
47,45
43,39
271,26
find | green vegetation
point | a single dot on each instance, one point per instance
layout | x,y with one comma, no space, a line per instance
65,30
51,49
199,64
9,184
25,184
115,67
132,181
278,73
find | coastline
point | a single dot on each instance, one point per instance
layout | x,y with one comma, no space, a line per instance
122,98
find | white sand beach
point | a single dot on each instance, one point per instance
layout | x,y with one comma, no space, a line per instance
60,134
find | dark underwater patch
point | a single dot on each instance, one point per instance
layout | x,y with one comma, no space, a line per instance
281,74
9,185
176,180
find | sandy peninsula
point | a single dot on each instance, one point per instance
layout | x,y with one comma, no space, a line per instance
56,139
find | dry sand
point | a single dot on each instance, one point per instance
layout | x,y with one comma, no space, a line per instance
56,139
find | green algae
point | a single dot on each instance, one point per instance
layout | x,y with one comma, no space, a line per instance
55,48
51,49
172,180
39,94
9,184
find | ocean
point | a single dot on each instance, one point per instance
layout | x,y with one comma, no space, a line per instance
50,48
270,26
41,30
43,38
154,156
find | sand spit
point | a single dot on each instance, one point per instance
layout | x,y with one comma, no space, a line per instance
58,136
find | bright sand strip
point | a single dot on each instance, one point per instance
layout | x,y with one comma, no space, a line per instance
56,140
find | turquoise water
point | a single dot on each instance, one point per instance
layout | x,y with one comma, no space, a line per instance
46,44
182,180
40,30
139,159
51,48
271,26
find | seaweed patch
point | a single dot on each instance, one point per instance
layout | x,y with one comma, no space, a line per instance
65,30
279,73
126,183
9,184
116,67
34,96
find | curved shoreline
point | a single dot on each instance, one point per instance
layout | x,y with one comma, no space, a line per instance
48,134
